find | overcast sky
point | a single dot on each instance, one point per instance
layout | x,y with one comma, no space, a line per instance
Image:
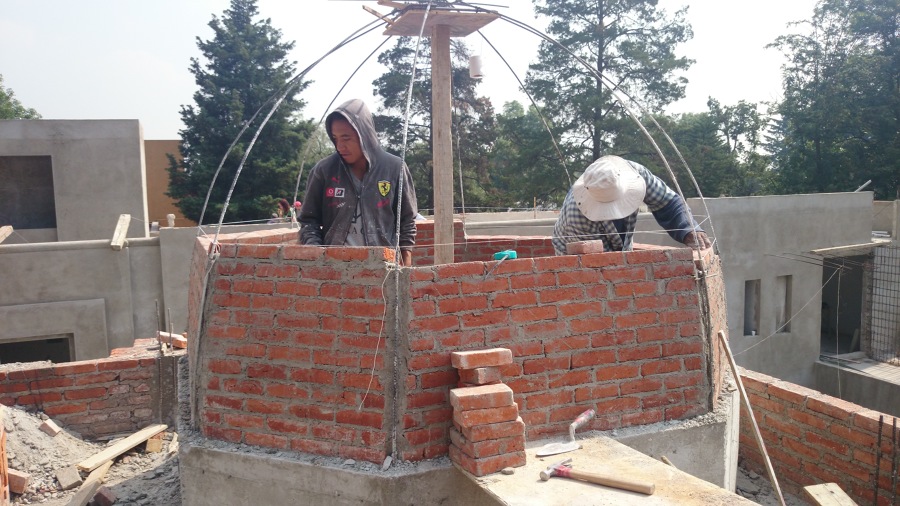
128,59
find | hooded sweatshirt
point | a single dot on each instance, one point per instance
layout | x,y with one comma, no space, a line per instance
332,199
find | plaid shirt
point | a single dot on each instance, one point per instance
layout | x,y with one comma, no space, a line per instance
667,206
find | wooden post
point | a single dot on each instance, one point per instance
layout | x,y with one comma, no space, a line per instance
443,147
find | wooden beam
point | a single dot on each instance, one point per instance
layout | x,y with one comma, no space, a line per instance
96,460
118,239
5,232
90,486
828,494
442,145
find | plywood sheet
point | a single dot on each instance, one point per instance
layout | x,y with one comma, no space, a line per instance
409,23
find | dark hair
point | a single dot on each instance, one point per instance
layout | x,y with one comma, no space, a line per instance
283,204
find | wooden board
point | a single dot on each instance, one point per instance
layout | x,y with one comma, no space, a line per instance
90,486
409,23
96,460
828,494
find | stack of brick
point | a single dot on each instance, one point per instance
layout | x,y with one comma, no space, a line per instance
488,434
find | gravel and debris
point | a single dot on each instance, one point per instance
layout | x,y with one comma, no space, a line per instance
136,477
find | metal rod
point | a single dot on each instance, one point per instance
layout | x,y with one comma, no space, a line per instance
756,432
877,461
894,462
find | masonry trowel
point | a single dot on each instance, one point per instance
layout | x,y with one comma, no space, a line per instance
571,444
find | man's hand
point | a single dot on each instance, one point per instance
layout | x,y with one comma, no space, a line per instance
406,258
697,240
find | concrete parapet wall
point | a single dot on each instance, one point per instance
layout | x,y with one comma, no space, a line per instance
123,393
300,348
814,438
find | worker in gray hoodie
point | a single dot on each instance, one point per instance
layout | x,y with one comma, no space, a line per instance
354,196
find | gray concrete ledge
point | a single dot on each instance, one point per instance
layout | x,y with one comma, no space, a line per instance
705,447
84,319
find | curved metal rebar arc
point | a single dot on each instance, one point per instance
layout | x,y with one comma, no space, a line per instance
327,110
285,87
617,94
288,87
536,108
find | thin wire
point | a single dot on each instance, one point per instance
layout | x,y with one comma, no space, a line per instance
327,110
536,108
281,95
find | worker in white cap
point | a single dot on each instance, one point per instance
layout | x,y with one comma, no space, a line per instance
603,205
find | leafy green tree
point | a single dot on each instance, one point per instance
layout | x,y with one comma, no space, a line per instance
472,122
245,67
723,147
11,108
840,116
630,43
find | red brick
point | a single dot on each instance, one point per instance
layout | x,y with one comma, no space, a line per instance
475,417
18,480
480,375
533,314
481,397
481,358
504,300
486,318
266,440
436,324
104,497
493,430
485,466
584,247
602,259
488,448
542,365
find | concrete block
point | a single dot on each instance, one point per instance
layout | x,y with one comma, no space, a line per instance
475,417
18,481
104,497
69,478
584,247
50,428
480,375
481,397
481,358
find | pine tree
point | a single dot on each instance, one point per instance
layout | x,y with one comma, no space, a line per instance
630,43
245,68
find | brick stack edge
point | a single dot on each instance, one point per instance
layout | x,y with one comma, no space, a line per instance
487,434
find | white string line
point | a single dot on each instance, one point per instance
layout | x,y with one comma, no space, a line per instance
792,316
377,344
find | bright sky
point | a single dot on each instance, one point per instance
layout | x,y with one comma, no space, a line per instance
128,59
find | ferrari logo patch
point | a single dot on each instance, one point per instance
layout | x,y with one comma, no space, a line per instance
384,187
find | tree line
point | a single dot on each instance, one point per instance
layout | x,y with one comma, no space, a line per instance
836,128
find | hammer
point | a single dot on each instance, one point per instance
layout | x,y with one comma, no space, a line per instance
563,469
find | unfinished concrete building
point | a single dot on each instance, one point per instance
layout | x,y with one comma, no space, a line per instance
257,363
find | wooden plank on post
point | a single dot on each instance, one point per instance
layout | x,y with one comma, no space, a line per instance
96,460
443,144
118,239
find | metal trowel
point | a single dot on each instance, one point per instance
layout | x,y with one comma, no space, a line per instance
571,444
